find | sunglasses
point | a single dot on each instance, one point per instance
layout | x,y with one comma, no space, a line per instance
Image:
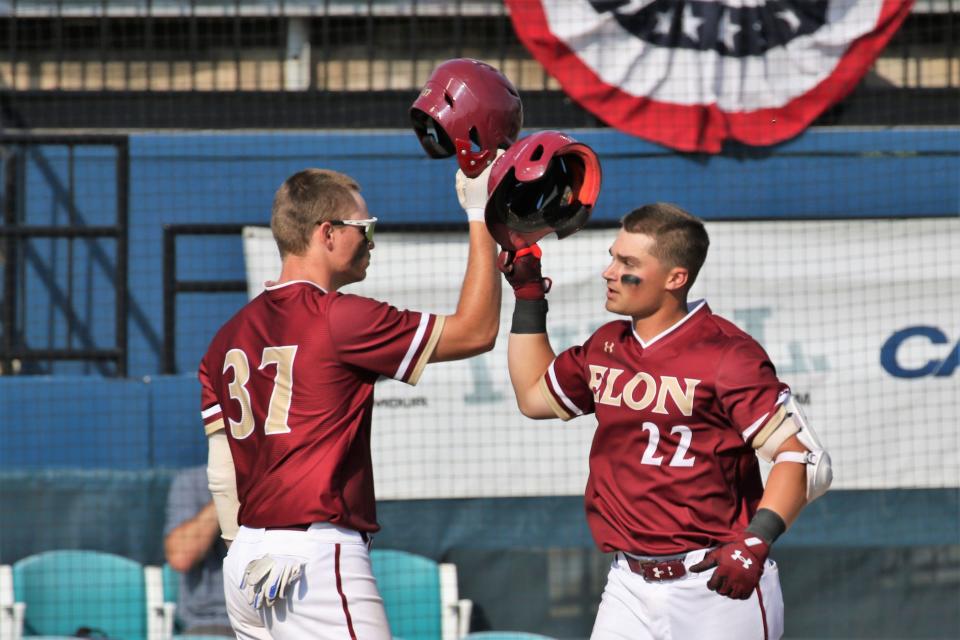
368,224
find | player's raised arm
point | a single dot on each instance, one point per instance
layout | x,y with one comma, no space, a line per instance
529,353
470,111
472,329
546,182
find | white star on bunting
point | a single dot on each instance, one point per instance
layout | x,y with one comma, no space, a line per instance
664,22
728,31
691,23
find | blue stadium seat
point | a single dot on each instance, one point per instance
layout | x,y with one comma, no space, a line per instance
420,596
66,590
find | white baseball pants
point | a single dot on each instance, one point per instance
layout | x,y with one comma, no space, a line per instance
684,609
336,597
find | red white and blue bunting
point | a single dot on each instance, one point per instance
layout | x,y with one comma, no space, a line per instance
691,74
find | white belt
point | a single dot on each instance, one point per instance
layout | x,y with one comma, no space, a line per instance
317,532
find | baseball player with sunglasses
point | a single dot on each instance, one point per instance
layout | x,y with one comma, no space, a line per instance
288,382
288,388
685,403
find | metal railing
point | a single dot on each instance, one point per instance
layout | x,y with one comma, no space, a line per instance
15,234
172,285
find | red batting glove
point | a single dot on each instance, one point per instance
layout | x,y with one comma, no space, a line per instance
739,566
522,271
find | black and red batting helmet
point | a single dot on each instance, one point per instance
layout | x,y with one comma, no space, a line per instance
545,182
470,109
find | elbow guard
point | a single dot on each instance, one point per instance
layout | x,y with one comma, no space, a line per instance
819,470
816,459
222,480
788,421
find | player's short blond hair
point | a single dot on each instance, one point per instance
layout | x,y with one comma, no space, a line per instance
680,237
306,199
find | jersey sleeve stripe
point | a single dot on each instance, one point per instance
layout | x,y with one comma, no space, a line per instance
551,401
749,431
414,346
213,426
555,385
429,345
561,404
769,426
212,419
768,422
210,411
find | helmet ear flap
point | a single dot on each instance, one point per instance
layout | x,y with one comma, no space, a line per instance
433,138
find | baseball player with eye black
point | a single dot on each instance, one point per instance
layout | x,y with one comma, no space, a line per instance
685,403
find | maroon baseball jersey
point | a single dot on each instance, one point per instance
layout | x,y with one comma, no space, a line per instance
290,377
671,465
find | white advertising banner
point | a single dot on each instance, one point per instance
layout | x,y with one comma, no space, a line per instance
861,319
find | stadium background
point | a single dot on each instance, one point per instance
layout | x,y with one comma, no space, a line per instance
139,139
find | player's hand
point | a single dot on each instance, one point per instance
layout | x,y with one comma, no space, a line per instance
472,192
522,270
266,579
739,566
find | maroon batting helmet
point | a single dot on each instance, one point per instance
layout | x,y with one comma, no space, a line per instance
545,182
467,108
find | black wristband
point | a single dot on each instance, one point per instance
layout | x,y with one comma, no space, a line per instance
768,525
529,316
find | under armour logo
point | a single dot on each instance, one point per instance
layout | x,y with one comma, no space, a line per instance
658,573
608,347
736,555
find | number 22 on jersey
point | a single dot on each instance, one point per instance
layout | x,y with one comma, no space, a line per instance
280,396
680,458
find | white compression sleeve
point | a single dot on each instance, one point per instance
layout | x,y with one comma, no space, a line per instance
222,479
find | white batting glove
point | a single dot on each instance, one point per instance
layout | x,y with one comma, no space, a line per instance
472,192
266,579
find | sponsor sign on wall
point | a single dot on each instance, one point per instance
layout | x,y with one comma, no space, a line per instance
861,319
